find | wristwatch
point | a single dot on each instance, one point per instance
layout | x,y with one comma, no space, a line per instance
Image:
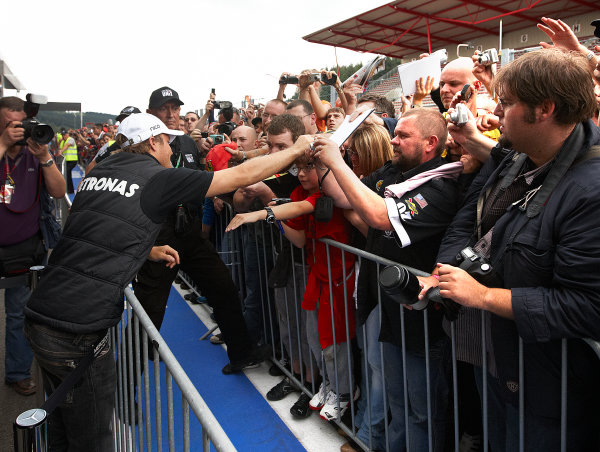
50,162
270,216
244,157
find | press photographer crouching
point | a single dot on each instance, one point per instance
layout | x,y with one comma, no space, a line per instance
27,176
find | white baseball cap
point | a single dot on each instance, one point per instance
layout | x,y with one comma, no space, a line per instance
139,127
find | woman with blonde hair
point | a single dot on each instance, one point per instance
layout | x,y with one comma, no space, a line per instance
370,148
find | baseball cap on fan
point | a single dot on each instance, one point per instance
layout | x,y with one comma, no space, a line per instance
141,126
162,95
126,112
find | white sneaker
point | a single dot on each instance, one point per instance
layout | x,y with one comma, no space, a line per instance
318,400
330,411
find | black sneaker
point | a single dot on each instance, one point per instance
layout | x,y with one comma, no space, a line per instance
275,370
257,356
300,409
280,390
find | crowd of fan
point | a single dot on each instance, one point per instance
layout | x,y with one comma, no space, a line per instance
366,194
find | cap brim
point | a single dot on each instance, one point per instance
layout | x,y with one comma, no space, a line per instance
173,134
164,100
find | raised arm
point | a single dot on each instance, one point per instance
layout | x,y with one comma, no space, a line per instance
257,169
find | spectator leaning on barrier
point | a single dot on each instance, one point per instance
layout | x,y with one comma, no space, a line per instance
407,228
131,194
27,175
538,228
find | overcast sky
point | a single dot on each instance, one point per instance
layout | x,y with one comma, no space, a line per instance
108,54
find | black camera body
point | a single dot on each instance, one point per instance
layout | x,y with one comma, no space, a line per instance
288,80
226,128
476,266
40,133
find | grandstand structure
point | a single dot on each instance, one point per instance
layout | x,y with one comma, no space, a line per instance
406,28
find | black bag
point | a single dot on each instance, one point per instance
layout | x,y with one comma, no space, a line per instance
18,258
49,227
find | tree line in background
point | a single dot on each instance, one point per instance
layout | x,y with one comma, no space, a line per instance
62,120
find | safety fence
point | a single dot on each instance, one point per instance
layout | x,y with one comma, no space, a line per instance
418,396
139,415
426,397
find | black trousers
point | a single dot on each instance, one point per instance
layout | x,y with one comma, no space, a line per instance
70,165
200,261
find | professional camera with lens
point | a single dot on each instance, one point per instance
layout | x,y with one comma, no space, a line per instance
460,116
40,133
489,57
226,128
396,281
222,104
404,287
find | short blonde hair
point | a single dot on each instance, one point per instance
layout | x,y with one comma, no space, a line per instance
372,144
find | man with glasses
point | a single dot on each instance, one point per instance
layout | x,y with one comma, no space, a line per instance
190,119
303,110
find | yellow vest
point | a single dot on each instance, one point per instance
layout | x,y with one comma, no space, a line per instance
70,153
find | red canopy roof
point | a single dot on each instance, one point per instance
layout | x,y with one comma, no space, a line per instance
406,27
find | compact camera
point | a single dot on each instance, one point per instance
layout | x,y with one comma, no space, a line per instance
40,133
217,139
222,104
460,116
489,57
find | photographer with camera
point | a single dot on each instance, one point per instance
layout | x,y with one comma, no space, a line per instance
533,215
406,227
28,175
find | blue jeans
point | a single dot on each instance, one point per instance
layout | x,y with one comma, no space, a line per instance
255,286
370,417
83,421
18,356
416,377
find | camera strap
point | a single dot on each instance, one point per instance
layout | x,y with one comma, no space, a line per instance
7,177
564,161
323,178
60,393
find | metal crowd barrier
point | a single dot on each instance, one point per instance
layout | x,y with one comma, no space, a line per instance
128,344
133,420
349,425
